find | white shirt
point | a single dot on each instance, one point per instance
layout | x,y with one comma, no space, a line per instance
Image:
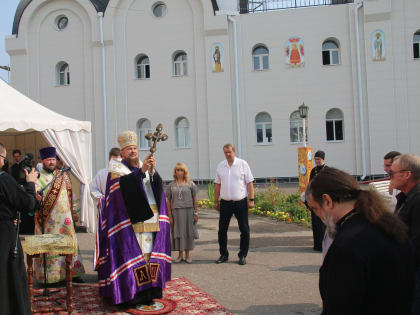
233,179
98,184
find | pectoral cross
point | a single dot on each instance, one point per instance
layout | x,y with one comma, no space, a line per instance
156,137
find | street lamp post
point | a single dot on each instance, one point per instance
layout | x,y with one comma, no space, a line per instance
304,154
303,112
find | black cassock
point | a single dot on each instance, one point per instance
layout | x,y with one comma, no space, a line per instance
318,227
366,272
14,295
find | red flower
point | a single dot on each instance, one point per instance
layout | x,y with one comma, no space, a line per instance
67,221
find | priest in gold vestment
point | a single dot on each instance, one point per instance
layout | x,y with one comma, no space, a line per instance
57,214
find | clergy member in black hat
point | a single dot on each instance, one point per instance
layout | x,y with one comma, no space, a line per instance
318,227
56,215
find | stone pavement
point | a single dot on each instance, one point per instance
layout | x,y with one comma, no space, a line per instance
281,275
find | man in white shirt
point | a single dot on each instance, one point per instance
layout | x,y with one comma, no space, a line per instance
388,159
98,184
233,183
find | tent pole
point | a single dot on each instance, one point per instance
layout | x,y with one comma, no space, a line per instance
101,28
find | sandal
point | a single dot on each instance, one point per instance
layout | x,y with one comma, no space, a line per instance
188,260
178,260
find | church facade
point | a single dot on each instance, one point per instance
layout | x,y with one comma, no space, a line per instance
226,71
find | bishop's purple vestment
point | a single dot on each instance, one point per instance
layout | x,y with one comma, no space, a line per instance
123,273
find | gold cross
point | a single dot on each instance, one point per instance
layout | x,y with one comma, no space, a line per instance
156,137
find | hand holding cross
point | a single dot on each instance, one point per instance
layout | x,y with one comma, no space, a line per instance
156,137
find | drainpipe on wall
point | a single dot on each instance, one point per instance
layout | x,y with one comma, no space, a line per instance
359,78
101,29
238,113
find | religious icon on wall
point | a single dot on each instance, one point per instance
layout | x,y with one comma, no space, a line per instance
217,57
295,53
378,45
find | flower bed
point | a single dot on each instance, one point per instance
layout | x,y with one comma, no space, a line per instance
272,203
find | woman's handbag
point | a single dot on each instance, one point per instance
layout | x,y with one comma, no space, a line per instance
195,229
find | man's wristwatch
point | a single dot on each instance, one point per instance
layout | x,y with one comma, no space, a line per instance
251,199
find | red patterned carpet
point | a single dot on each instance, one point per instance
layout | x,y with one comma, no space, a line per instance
189,299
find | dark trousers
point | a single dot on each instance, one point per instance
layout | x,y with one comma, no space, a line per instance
318,229
240,210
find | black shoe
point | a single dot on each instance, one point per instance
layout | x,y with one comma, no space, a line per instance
318,249
222,259
242,261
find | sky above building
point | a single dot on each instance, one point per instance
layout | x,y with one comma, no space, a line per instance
7,13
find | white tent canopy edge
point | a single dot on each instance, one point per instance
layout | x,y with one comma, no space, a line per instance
71,138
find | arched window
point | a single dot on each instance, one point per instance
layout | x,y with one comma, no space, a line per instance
143,127
179,64
142,67
296,128
182,133
63,73
264,128
260,58
330,53
416,45
334,125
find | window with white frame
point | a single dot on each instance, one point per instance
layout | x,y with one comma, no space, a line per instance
330,53
63,73
143,67
179,64
182,133
260,58
263,125
143,127
416,45
296,128
334,125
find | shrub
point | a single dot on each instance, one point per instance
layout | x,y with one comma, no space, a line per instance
272,203
210,191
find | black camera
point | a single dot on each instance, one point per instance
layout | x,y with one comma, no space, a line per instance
26,163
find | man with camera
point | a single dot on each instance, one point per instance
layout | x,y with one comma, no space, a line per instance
17,172
14,295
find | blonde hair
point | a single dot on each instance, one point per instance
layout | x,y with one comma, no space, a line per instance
181,165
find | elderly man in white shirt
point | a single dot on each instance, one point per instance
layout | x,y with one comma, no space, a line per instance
233,183
98,184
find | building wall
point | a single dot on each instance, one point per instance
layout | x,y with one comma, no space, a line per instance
207,98
281,89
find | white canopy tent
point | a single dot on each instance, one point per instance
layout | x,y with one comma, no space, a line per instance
22,117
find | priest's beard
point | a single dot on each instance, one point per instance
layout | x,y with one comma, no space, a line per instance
132,161
49,169
329,223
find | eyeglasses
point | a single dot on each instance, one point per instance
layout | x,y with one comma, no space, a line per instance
5,158
179,170
392,173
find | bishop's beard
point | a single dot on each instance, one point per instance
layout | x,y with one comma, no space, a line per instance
132,161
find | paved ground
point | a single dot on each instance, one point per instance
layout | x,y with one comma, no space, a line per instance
281,276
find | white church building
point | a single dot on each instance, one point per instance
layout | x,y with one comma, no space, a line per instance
227,71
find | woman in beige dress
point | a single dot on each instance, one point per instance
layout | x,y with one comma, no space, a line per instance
182,209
